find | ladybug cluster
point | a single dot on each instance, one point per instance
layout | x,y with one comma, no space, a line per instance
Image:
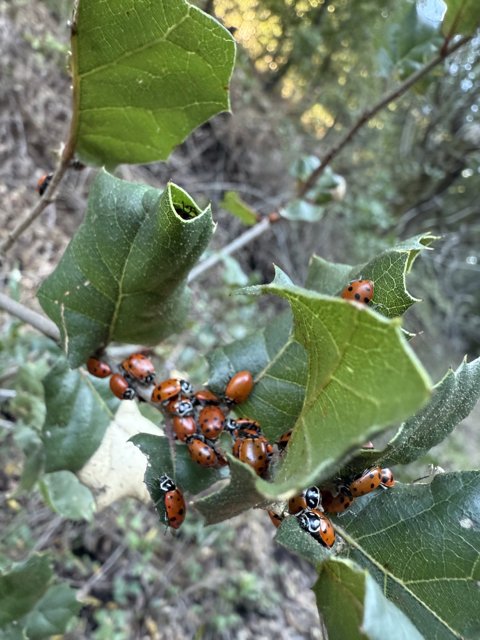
310,506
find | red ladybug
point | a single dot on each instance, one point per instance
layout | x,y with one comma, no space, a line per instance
42,184
308,499
204,397
253,451
386,478
367,482
318,525
179,407
201,452
336,503
139,367
275,518
174,502
184,427
239,387
359,291
121,388
169,389
211,420
98,368
284,439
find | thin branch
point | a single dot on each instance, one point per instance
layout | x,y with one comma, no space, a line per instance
230,248
370,113
36,320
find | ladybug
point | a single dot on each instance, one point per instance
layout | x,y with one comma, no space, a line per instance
139,367
386,478
169,389
239,387
179,407
336,503
120,387
247,426
98,368
205,397
201,452
42,184
318,526
367,482
359,291
255,452
284,439
275,518
174,502
184,427
211,420
308,499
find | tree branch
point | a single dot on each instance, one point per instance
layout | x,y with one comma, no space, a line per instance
369,113
36,320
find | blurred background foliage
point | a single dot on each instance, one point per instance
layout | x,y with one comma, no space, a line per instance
306,70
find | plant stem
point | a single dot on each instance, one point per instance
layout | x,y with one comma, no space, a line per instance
235,245
368,114
36,320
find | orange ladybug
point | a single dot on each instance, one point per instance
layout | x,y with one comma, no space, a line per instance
139,367
359,291
174,502
318,526
120,387
366,483
98,368
239,387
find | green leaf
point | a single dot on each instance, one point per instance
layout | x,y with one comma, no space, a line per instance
22,586
187,474
358,360
279,365
353,606
300,210
144,76
453,399
67,496
463,17
52,613
421,542
387,270
233,203
123,275
79,409
237,496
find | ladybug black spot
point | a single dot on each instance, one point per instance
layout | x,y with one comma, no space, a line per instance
357,296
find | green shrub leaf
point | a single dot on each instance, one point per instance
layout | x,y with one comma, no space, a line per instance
52,613
421,542
388,271
67,496
22,586
79,409
353,606
122,277
453,399
278,363
234,204
358,360
462,17
144,77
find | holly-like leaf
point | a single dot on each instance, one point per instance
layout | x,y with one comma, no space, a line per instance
67,496
122,277
358,360
421,542
22,586
52,613
237,496
79,409
462,17
278,363
387,270
187,474
453,399
144,76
